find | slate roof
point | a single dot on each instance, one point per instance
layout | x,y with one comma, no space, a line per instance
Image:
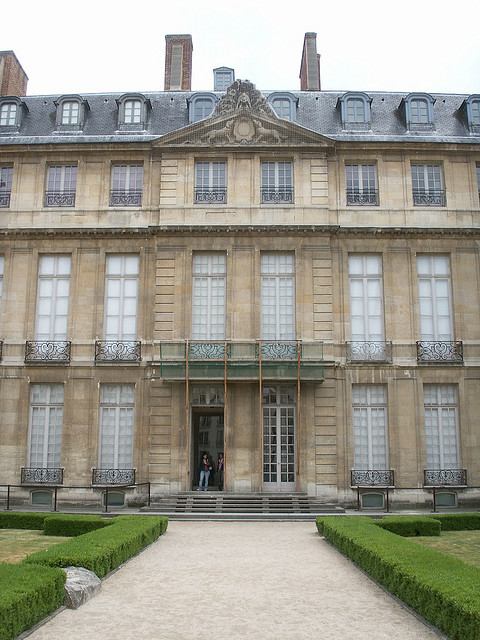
317,111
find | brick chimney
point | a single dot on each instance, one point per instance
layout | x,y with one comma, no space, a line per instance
13,79
310,66
178,62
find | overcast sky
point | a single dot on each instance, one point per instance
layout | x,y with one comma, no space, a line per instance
106,45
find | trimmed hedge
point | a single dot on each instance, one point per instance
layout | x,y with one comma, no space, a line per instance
27,594
443,589
74,525
408,526
458,521
105,549
14,520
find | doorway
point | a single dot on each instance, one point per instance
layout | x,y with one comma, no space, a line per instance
207,437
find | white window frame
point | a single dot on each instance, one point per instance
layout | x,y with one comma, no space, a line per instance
277,176
6,179
132,111
361,179
419,111
53,309
355,110
127,178
201,107
61,178
278,296
51,431
210,177
125,278
209,284
434,274
8,114
366,273
121,406
279,436
369,402
70,112
441,407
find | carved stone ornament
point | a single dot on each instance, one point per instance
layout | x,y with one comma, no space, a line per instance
243,129
241,96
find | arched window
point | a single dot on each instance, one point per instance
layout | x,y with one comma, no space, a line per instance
419,111
201,106
284,105
133,110
71,112
355,111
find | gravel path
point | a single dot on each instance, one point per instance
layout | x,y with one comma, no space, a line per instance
248,580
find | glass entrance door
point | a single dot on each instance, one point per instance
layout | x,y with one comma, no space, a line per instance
278,438
208,438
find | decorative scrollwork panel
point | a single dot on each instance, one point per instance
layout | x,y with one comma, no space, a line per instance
41,475
279,350
372,478
118,351
125,198
206,350
445,477
60,199
47,351
369,351
440,351
113,476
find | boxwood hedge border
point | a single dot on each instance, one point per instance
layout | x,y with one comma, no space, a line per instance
33,589
441,588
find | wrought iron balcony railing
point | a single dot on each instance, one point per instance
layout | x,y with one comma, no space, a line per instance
444,477
241,360
362,198
4,199
429,198
41,475
438,351
59,198
113,476
45,351
369,351
211,196
372,478
118,351
277,195
125,198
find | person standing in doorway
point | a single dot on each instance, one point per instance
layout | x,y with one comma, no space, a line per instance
205,468
220,470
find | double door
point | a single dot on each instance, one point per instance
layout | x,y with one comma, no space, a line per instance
278,438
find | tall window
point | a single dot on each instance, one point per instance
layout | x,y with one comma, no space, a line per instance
127,185
277,182
434,293
52,297
70,112
6,174
278,296
278,437
283,108
441,426
210,182
427,182
46,419
475,112
116,426
369,426
419,112
361,185
366,306
208,296
61,186
8,114
121,289
132,112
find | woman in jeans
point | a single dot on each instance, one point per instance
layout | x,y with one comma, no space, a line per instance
205,468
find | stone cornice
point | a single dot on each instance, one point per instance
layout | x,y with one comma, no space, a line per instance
244,230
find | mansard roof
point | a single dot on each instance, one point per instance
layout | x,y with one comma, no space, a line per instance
169,112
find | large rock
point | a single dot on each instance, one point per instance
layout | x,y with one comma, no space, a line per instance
81,585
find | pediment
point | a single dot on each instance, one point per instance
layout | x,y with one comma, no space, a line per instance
243,118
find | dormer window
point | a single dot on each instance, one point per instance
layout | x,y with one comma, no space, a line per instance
471,113
284,105
355,111
70,113
133,112
8,114
419,111
223,77
201,106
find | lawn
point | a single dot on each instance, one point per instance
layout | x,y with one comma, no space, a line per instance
464,545
16,544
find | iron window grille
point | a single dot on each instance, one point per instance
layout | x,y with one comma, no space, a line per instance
444,477
118,351
113,476
41,475
127,185
440,351
372,478
47,351
369,351
6,174
61,186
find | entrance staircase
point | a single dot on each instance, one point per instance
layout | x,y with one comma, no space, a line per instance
212,505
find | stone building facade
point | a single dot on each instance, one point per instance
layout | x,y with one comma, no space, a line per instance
291,278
